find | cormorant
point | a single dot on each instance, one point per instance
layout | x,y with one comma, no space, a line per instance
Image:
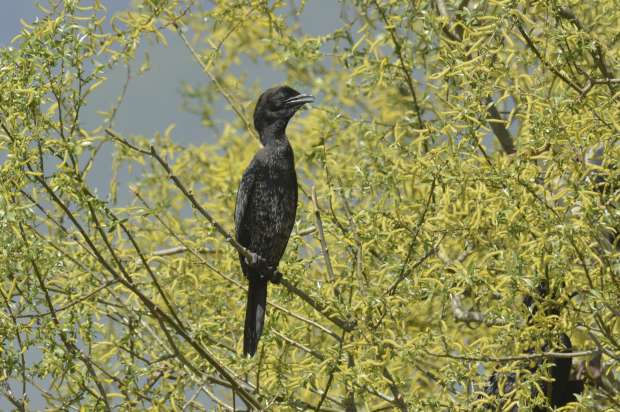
267,203
561,390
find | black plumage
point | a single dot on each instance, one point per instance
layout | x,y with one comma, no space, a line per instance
267,203
561,390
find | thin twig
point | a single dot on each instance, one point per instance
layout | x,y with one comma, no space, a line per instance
398,49
421,220
19,404
347,325
498,126
151,306
555,71
71,347
252,257
324,249
528,356
597,54
494,118
233,104
333,370
399,399
203,261
469,316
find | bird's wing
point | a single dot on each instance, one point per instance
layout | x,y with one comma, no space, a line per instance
244,194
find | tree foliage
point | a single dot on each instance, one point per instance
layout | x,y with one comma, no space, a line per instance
460,155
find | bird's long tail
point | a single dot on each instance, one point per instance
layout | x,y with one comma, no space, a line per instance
254,314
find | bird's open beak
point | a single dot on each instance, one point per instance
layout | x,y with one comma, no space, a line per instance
299,100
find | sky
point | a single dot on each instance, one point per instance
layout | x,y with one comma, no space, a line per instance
153,100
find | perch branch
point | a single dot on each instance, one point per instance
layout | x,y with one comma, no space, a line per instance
249,255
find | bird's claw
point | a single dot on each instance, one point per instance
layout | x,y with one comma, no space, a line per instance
270,273
275,277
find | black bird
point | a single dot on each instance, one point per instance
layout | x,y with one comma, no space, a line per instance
267,203
562,389
559,392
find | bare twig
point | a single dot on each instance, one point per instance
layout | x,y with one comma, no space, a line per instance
71,347
498,126
398,49
324,249
203,261
229,98
593,82
347,325
443,12
251,256
334,367
6,390
74,302
461,314
597,54
19,404
178,250
403,271
151,306
399,399
528,356
469,316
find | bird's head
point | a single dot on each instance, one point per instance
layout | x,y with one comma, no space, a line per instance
275,107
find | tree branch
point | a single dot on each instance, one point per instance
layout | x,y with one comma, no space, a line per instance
71,347
152,307
324,249
555,71
251,256
233,104
398,49
598,54
528,356
202,260
498,126
494,118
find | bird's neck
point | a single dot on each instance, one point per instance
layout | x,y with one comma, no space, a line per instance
274,134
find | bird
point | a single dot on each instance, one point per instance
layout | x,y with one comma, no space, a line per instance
561,390
267,203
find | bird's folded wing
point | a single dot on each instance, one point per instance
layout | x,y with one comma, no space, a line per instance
244,194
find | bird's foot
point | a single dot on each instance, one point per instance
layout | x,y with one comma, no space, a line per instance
275,277
270,273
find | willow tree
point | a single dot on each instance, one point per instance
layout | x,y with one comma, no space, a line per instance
461,155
